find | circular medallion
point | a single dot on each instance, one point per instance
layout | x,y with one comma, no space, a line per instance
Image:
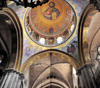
52,10
50,21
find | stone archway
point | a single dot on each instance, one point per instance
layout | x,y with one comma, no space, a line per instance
56,53
51,65
83,34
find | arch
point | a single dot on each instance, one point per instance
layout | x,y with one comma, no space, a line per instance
15,28
83,36
56,53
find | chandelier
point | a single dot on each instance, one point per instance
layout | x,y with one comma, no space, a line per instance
30,3
25,3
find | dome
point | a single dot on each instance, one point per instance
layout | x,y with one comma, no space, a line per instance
50,21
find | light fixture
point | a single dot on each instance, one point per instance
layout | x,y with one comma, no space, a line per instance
30,3
26,3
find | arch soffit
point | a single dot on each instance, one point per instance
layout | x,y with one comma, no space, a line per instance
56,53
83,37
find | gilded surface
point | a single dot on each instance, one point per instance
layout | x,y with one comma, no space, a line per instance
38,56
89,17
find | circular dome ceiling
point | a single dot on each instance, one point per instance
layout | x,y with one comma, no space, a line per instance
51,23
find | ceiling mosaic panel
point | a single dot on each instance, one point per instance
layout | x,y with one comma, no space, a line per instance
52,18
30,48
50,24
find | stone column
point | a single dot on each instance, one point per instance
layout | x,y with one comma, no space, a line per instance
12,79
97,75
86,77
